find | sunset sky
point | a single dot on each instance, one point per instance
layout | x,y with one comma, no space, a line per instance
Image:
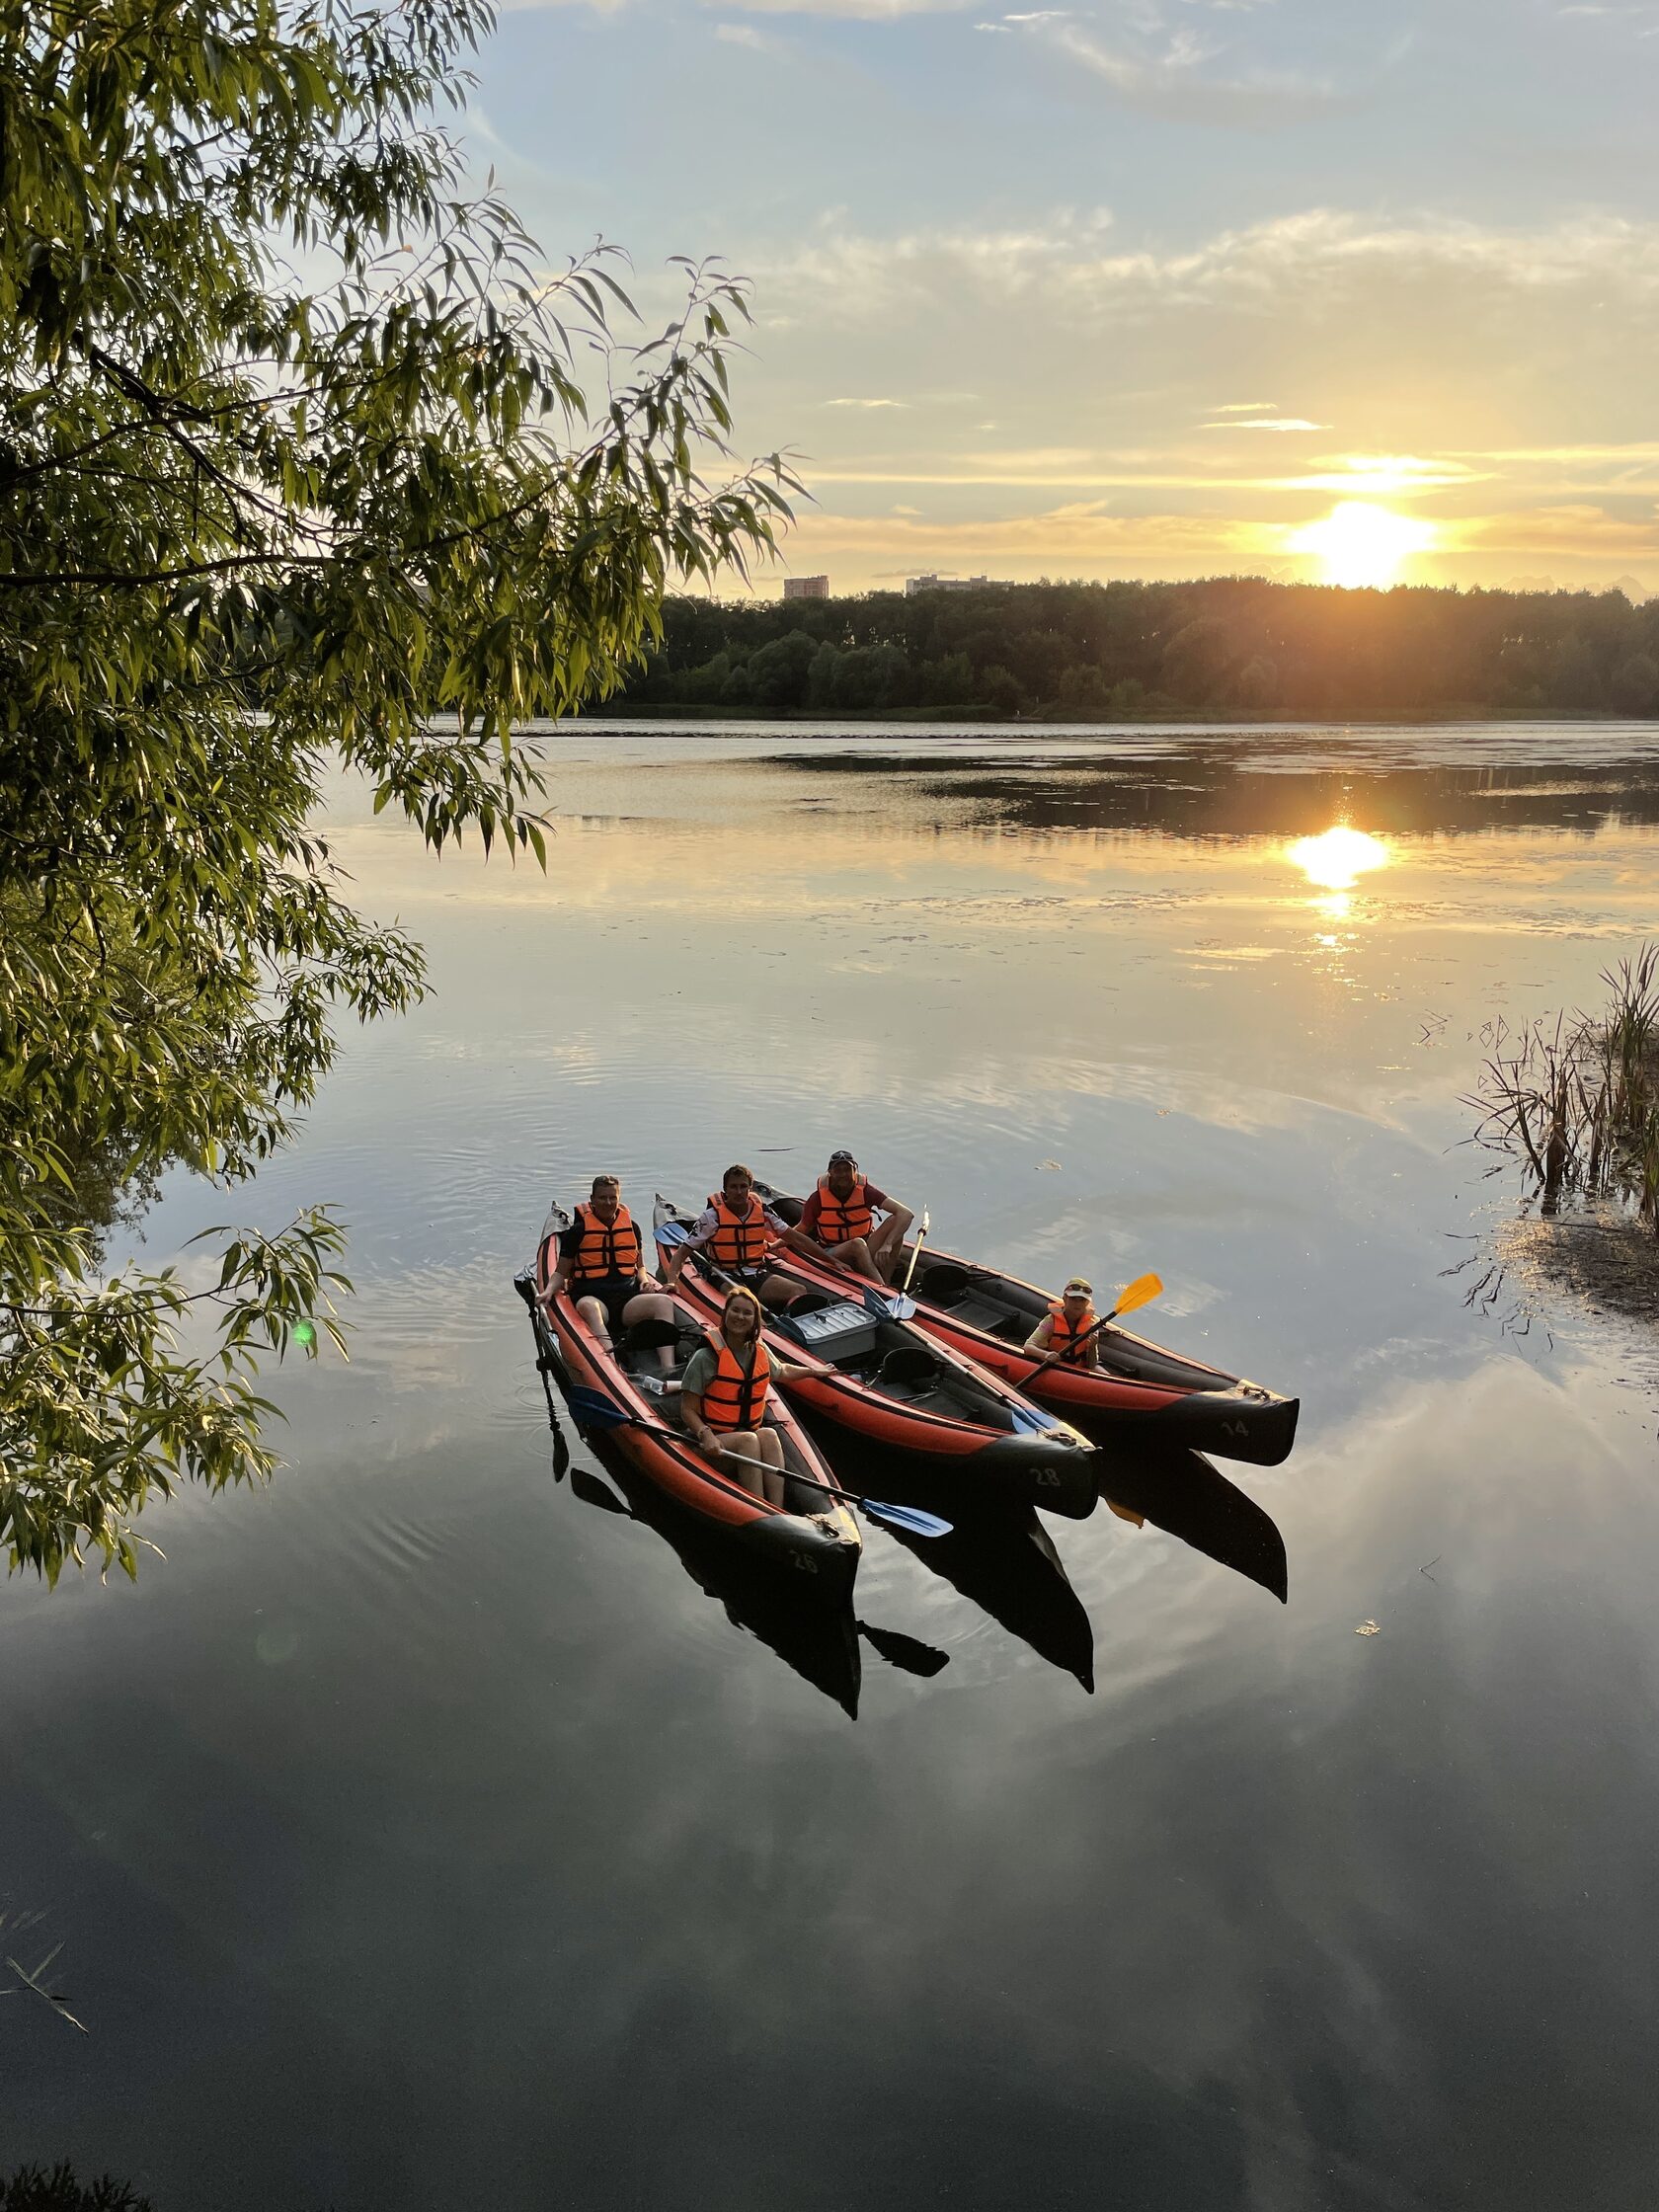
1148,287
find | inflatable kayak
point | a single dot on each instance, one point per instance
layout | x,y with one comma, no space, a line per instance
1140,1390
880,1380
621,1393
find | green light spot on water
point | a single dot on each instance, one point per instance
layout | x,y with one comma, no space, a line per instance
305,1333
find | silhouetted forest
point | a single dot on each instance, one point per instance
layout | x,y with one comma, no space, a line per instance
1113,652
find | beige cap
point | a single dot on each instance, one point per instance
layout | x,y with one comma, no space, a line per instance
1080,1285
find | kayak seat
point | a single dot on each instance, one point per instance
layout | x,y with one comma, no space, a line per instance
942,1285
986,1313
812,1301
911,1364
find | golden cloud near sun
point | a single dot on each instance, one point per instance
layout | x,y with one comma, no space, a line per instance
1336,860
1362,544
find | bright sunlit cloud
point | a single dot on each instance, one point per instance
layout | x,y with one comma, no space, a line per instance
1359,545
1336,860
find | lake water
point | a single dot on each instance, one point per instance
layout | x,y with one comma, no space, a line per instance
419,1836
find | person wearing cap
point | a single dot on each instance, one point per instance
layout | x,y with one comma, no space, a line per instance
838,1221
1070,1318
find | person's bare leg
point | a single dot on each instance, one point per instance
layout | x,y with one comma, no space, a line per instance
594,1314
740,1443
855,1254
886,1246
771,1460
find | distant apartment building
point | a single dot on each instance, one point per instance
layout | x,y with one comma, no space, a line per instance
916,583
805,586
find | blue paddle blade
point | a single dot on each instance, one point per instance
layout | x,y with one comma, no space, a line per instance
909,1516
594,1409
901,1306
671,1232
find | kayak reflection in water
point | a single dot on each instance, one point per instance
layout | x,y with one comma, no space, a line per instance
738,1232
838,1221
724,1395
601,1263
1070,1318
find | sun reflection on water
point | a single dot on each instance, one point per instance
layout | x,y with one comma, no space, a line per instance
1338,860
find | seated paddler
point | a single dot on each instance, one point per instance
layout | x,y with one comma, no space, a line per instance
739,1233
602,1264
839,1221
1065,1328
724,1398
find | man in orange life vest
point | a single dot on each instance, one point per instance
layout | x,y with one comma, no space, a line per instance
737,1232
601,1263
838,1221
1069,1318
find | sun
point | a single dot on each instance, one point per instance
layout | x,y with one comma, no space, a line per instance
1362,544
1337,860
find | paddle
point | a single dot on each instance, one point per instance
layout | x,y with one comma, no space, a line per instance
561,1450
916,1249
597,1411
1141,1291
891,1645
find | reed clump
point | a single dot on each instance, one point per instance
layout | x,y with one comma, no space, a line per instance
1576,1097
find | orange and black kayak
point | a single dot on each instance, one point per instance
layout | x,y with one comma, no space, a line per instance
1139,1393
881,1380
628,1394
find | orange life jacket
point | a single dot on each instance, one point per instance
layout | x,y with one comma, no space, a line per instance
605,1252
734,1399
1062,1337
843,1218
738,1240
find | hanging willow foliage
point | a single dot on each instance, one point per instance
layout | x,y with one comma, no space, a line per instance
294,465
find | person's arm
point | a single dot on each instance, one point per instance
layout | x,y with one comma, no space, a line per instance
707,1223
702,1436
700,1371
800,1239
559,1280
1041,1338
899,1214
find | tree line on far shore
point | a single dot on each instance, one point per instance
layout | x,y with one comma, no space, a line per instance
1113,652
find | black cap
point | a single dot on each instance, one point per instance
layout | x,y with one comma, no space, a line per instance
837,1159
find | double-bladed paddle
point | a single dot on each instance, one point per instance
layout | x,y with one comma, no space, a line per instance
1141,1291
600,1412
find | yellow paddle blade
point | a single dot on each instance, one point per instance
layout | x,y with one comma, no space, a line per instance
1127,1513
1141,1291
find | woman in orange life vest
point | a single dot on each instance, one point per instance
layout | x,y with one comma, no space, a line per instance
724,1396
737,1232
1071,1318
838,1221
601,1263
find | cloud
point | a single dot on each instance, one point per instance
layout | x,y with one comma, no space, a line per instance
1170,80
1318,260
1247,407
865,10
871,403
745,35
1267,422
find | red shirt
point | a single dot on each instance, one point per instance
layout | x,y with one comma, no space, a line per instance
813,1211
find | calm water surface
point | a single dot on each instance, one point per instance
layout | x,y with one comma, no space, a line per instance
419,1836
